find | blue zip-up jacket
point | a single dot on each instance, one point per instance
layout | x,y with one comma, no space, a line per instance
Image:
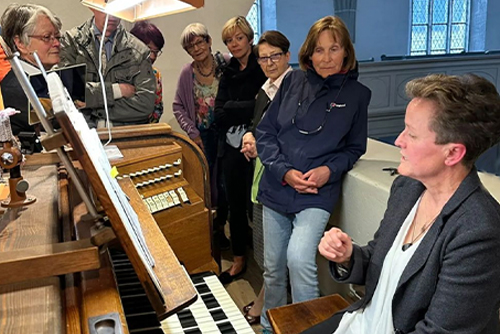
305,98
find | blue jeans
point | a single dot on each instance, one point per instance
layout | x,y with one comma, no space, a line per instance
291,242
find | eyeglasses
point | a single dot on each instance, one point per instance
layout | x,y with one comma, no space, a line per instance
157,53
46,38
329,107
198,44
274,58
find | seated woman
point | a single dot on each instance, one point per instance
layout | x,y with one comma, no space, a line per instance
433,264
26,29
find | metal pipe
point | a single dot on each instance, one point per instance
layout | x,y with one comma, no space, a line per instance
40,111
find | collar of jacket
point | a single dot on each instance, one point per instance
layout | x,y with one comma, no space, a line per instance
234,65
86,38
332,81
466,188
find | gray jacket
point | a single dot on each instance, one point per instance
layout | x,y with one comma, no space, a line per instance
129,63
452,282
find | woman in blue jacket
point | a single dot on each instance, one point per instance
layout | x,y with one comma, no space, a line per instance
314,132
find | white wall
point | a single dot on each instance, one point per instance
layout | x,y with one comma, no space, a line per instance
213,15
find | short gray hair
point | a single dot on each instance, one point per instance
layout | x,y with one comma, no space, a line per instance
20,21
191,31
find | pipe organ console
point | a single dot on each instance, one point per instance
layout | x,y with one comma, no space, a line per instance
57,273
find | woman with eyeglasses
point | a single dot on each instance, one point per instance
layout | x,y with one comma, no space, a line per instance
273,57
150,35
234,110
28,29
313,132
193,107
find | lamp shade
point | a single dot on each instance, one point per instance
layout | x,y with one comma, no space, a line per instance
136,10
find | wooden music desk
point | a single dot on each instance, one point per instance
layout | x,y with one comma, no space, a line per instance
296,318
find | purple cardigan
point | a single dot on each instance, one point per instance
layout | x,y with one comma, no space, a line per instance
183,105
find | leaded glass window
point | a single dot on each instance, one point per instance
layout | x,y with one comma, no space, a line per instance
253,17
439,26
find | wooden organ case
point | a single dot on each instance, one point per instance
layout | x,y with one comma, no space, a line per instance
55,237
170,173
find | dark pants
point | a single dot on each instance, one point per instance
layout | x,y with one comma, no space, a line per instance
210,139
237,172
330,325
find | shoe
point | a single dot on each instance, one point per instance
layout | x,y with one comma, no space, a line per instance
247,308
226,277
251,319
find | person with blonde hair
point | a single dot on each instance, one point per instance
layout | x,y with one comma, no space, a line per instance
312,134
234,109
194,105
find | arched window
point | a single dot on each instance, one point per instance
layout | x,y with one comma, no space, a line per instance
439,26
253,18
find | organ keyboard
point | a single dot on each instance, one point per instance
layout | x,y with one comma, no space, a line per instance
213,312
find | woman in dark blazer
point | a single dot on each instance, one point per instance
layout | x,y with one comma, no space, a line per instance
433,266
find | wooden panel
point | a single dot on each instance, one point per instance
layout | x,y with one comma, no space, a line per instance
48,260
175,290
296,318
33,306
194,229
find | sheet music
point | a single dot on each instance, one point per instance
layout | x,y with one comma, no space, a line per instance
63,103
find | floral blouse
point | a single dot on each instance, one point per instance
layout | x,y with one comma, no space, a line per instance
158,109
204,101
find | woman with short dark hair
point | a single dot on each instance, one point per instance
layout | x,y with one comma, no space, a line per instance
150,35
273,57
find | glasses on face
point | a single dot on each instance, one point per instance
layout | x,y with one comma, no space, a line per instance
274,58
47,38
198,44
329,107
157,53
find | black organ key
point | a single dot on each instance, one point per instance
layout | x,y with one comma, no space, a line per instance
187,319
218,315
226,328
202,288
210,301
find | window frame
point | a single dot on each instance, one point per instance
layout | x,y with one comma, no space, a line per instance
449,27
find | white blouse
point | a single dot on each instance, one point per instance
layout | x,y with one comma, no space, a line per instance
376,317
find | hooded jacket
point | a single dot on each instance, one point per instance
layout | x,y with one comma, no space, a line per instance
311,122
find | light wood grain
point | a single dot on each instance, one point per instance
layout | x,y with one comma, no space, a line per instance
296,318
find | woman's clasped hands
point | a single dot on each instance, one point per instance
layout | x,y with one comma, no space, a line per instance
308,182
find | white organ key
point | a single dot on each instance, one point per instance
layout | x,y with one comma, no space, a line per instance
170,201
163,201
174,197
205,323
152,204
183,194
177,162
158,203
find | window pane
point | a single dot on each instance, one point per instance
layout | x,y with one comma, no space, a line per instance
253,19
440,11
420,11
459,11
438,38
458,35
418,39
